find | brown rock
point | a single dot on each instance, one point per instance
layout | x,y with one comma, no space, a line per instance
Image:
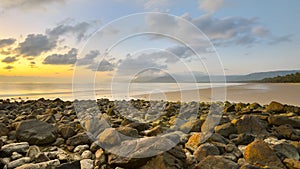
258,153
216,162
193,142
250,124
281,120
292,163
205,150
275,107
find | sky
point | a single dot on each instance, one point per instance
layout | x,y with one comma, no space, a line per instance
118,39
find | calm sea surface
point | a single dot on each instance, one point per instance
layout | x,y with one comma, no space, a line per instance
67,91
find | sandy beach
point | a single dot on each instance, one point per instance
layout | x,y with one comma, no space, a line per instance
262,93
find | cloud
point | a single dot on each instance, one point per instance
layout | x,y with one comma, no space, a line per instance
9,59
210,5
8,67
89,58
224,31
132,65
79,30
35,45
6,42
28,4
62,59
281,39
103,66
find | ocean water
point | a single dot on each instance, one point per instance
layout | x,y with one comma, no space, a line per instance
68,91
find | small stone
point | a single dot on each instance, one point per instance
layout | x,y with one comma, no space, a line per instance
205,150
8,149
216,162
193,142
43,165
100,157
226,129
109,137
87,164
41,157
70,165
18,162
128,131
87,154
32,152
3,129
66,131
243,139
79,139
15,156
80,148
95,146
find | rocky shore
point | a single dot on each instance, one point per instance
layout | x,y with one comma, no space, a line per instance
141,134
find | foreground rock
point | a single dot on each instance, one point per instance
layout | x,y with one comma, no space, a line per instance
119,135
36,132
258,153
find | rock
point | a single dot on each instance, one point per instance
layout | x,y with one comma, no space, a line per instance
80,148
250,124
205,150
43,165
193,142
3,129
79,139
128,131
139,126
258,153
100,157
18,162
275,107
216,162
8,149
41,157
87,154
243,139
285,150
86,164
32,152
15,156
153,132
226,129
109,138
175,158
66,131
278,120
36,132
287,132
95,146
292,163
59,141
249,166
70,165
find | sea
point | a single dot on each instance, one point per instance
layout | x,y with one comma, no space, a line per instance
69,91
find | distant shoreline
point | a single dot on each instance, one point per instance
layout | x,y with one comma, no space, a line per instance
262,93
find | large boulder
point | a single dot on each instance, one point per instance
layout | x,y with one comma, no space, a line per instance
36,132
258,153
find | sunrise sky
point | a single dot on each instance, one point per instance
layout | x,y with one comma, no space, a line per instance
45,38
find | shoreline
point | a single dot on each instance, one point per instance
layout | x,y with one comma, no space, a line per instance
262,93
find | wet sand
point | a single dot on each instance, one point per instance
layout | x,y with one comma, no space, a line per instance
262,93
